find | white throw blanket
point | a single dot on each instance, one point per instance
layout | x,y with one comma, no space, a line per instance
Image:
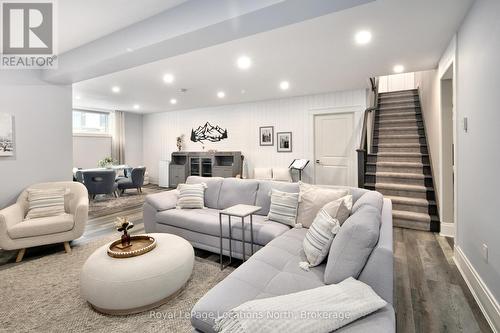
322,309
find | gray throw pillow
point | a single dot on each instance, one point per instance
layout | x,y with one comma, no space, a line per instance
353,244
372,198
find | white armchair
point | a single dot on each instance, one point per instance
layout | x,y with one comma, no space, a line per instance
17,234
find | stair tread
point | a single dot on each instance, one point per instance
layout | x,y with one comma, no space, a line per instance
399,145
395,100
399,114
409,201
399,128
409,136
421,217
396,121
403,187
398,154
382,108
402,164
398,174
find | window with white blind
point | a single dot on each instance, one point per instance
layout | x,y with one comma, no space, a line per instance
91,122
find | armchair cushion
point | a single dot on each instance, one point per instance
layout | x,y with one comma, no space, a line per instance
45,202
41,226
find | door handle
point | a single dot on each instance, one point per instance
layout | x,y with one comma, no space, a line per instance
317,162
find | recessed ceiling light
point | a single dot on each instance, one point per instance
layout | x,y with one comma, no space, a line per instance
398,69
137,106
243,91
168,78
284,85
244,62
129,49
221,94
173,101
116,89
78,97
363,37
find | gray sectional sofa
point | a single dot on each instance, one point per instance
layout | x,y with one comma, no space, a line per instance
274,269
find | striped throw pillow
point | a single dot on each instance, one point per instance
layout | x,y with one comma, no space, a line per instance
45,203
325,226
283,207
191,196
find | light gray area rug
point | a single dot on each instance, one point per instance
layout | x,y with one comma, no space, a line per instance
43,295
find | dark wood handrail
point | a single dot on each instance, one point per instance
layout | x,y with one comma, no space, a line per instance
362,150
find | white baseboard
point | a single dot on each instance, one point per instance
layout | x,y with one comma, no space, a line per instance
484,298
447,229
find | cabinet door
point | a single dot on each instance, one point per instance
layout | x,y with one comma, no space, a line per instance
223,171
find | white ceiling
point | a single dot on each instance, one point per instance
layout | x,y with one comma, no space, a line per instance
315,56
82,21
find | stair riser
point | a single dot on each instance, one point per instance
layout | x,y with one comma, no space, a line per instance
410,208
398,131
398,180
411,159
399,150
410,116
411,224
402,193
383,96
396,140
425,170
399,123
383,105
391,110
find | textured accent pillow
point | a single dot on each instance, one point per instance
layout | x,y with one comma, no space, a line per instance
283,207
263,173
312,199
45,203
191,196
353,244
326,225
282,175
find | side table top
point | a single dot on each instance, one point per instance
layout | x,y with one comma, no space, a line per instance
240,210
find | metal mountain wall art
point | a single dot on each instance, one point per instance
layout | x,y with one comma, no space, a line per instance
208,132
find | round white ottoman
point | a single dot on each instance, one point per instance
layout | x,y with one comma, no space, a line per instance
136,284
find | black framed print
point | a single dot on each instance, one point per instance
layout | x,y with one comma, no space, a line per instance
284,142
266,134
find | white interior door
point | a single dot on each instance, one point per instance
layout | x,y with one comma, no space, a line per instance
333,151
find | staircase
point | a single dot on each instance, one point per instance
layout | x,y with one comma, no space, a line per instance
399,165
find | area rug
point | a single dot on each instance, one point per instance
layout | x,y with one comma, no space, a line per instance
43,295
108,204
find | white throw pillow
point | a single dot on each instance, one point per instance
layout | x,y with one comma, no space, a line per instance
282,174
312,199
283,207
191,196
326,225
45,203
263,173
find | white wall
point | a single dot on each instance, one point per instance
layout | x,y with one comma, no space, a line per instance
478,153
396,82
42,133
242,122
89,150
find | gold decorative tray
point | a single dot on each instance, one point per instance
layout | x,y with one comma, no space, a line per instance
139,245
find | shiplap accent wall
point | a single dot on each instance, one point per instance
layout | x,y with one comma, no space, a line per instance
243,121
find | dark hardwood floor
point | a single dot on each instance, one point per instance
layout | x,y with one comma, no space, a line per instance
430,294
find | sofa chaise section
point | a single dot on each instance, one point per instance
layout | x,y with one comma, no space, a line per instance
274,270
